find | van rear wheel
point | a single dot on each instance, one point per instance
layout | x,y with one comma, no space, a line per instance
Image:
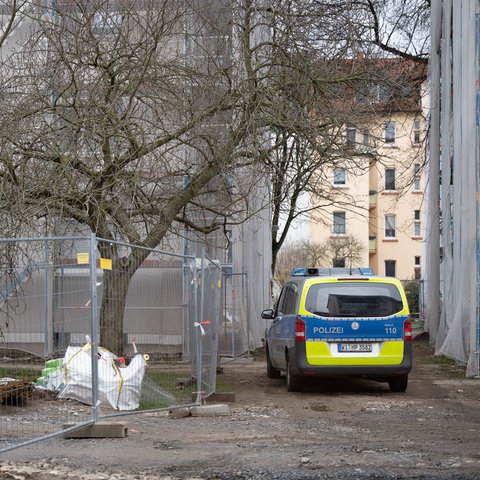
398,384
294,382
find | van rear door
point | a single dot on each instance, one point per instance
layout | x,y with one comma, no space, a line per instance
355,322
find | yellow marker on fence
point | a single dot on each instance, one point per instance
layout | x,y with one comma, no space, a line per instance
83,258
105,264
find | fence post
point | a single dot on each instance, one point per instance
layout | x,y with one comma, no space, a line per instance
247,309
48,278
234,306
198,329
94,326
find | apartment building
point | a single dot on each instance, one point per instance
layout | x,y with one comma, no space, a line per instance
379,191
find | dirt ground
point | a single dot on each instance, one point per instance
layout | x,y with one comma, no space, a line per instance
334,429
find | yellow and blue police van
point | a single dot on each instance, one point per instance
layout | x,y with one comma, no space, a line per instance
339,322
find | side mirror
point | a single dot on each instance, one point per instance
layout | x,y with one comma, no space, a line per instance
268,314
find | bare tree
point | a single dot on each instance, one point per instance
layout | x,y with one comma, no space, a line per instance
135,119
12,12
295,255
336,252
127,119
345,252
328,57
399,28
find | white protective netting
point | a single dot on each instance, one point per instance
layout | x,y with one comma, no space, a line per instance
451,294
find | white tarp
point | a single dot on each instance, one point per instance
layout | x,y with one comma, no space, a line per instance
118,386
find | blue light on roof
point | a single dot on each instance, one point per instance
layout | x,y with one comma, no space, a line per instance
299,272
334,271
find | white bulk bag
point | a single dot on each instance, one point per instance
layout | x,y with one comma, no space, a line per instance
118,387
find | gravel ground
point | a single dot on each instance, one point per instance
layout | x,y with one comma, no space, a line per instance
334,429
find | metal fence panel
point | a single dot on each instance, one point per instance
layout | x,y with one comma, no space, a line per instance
64,302
234,329
31,337
414,290
208,278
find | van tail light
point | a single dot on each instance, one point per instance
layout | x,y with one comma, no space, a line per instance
407,329
299,330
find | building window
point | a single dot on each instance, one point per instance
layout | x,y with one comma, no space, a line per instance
416,229
389,226
390,268
416,132
338,262
339,176
389,130
339,223
416,224
390,179
417,269
374,93
366,138
405,91
351,135
383,92
416,177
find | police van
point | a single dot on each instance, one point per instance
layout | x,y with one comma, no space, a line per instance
348,322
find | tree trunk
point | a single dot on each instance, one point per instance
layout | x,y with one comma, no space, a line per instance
115,289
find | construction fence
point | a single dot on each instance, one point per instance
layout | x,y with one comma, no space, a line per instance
91,328
415,292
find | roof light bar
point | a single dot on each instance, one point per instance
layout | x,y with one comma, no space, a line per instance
334,271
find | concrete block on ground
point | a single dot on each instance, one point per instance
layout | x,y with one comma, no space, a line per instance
210,410
99,430
179,412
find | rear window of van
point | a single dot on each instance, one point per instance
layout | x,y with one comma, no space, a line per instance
343,299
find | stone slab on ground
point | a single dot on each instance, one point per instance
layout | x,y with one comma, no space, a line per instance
216,410
99,430
210,410
179,412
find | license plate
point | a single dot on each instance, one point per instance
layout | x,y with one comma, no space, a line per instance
354,347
